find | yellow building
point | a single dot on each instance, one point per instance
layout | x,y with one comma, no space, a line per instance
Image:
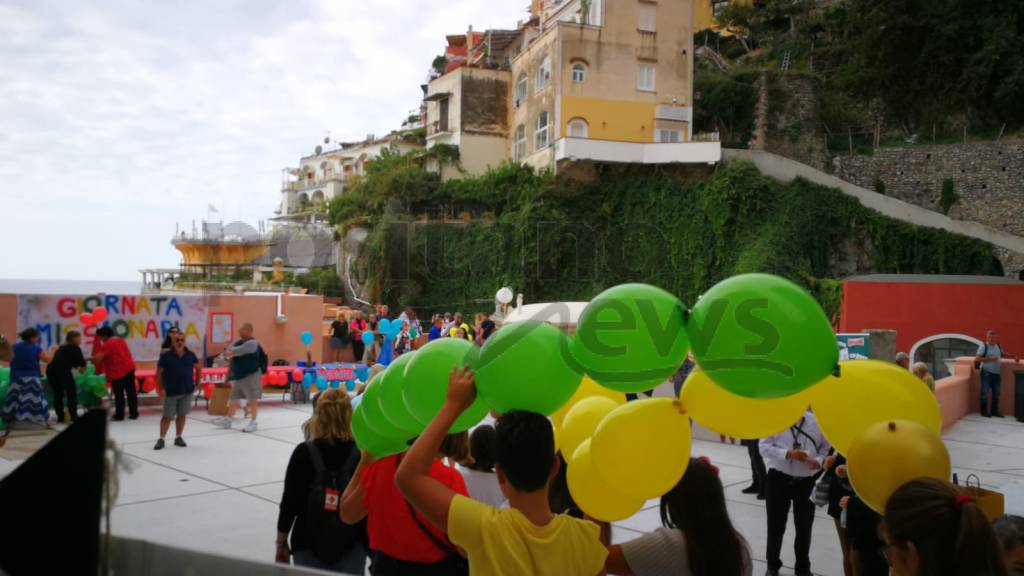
607,81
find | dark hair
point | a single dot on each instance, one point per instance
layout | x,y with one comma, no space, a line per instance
953,537
71,335
1010,531
105,332
28,334
481,447
525,449
696,507
456,446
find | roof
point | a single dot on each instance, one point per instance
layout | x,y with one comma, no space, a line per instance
932,279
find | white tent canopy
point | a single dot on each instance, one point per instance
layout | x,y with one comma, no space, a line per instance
557,313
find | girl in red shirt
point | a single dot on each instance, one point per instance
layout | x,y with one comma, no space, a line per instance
403,540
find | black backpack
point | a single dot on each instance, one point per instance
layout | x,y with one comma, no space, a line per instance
330,539
264,359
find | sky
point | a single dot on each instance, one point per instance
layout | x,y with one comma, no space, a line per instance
121,118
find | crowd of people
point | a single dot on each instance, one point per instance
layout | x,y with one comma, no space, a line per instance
348,328
494,501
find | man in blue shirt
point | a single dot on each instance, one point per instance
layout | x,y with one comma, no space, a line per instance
990,375
176,375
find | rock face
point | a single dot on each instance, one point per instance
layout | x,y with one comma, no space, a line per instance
987,178
786,119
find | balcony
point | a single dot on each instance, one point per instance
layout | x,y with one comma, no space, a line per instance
439,128
612,151
313,183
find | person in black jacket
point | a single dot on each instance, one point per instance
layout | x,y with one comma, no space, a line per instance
318,538
60,373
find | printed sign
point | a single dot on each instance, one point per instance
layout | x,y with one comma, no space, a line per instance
142,320
854,346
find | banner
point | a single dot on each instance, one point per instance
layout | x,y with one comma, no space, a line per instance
854,346
142,320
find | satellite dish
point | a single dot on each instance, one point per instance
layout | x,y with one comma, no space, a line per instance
504,295
319,149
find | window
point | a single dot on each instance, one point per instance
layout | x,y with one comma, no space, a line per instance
645,77
540,135
578,128
648,17
521,89
579,73
543,75
519,149
442,121
670,135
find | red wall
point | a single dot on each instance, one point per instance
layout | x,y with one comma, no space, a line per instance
919,310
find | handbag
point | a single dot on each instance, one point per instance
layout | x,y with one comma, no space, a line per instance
6,350
992,503
460,565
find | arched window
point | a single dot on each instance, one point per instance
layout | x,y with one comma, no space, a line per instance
519,149
521,88
579,73
540,134
543,74
578,128
317,198
936,350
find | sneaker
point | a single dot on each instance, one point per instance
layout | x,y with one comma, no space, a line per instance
752,489
179,441
223,422
159,444
250,427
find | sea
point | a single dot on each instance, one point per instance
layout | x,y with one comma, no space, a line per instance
70,287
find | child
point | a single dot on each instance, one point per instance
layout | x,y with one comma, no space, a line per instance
524,539
478,472
697,537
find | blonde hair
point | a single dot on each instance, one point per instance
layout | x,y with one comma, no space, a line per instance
332,419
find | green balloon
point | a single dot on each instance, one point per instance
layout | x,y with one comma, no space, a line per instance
374,416
79,379
426,381
631,338
390,398
527,366
370,441
762,336
90,369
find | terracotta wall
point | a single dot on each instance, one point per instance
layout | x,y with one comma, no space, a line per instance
960,394
279,340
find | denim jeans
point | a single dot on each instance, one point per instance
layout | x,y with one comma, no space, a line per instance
990,381
353,563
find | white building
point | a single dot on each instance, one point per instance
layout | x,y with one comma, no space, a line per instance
305,190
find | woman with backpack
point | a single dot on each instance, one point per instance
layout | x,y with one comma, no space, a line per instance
318,472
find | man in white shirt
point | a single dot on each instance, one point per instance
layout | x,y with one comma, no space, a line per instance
794,458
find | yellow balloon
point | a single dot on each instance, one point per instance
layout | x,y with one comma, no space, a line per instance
586,389
643,448
722,411
594,496
581,422
868,392
889,454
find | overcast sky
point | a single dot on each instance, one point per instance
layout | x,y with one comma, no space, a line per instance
120,118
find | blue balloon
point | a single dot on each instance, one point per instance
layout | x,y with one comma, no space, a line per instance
321,382
308,377
367,338
306,337
350,385
335,384
384,326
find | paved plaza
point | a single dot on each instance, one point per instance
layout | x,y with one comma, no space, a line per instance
220,494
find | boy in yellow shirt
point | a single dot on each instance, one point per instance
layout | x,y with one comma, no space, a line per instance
523,539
